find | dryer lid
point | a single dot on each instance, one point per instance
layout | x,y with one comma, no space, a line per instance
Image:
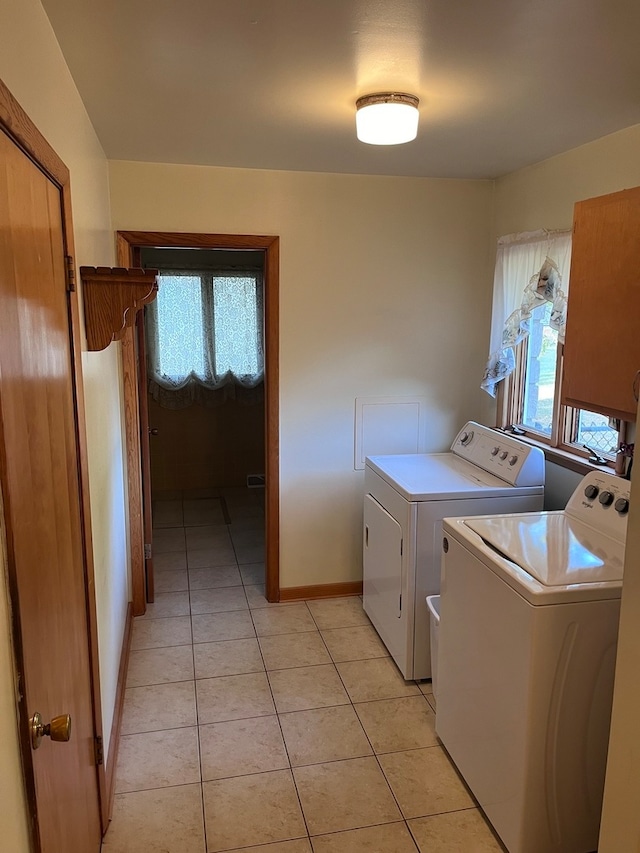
552,547
440,476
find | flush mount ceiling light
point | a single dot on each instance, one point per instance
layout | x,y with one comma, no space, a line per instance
387,118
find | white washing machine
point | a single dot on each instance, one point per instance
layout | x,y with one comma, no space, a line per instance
406,498
529,611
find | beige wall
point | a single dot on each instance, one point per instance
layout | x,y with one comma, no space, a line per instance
32,67
384,290
542,196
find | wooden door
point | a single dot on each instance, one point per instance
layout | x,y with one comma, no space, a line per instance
40,479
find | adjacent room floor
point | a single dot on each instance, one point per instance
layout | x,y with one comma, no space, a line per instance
279,728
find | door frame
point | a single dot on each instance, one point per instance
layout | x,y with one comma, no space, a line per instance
128,246
17,125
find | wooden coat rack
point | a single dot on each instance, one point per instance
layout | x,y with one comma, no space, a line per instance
112,296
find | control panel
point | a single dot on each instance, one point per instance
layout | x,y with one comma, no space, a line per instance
601,500
506,457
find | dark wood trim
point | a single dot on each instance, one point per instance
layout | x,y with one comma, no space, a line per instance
24,133
272,421
134,472
145,456
128,245
192,240
116,725
323,590
15,122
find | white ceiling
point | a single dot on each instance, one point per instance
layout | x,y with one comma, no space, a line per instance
272,84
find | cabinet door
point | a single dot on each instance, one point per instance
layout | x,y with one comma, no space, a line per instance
602,349
383,580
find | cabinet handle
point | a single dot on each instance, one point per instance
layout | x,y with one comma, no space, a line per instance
636,385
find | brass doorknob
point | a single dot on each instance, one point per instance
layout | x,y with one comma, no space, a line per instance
58,729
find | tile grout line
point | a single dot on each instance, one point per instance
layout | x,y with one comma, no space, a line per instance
195,695
373,753
191,614
278,715
284,742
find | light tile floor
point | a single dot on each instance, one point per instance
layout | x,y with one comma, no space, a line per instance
271,728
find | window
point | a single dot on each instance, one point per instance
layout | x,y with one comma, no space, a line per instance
534,406
595,431
204,333
540,363
180,332
235,321
529,312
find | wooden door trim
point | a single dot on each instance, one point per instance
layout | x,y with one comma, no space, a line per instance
145,454
15,122
129,244
321,590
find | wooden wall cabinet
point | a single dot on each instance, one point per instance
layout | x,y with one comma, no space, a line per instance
602,347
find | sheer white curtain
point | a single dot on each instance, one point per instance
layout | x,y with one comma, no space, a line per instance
531,268
204,334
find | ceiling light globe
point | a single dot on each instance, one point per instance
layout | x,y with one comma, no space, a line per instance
387,118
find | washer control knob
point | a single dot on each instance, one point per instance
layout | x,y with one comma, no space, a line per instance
622,506
504,454
591,492
495,451
513,460
606,498
466,438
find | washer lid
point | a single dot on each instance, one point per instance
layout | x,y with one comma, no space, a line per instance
554,548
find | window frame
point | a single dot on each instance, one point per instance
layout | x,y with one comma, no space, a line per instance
558,446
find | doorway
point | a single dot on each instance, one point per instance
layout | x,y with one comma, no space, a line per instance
132,246
203,336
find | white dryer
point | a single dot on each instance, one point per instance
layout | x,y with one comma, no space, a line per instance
529,610
406,498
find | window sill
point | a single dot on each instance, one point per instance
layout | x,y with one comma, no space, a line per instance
570,461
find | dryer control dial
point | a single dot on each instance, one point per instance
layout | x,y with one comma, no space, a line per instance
606,498
466,438
622,505
591,492
495,451
513,460
504,454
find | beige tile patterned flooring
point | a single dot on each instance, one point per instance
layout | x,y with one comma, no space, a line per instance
271,728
